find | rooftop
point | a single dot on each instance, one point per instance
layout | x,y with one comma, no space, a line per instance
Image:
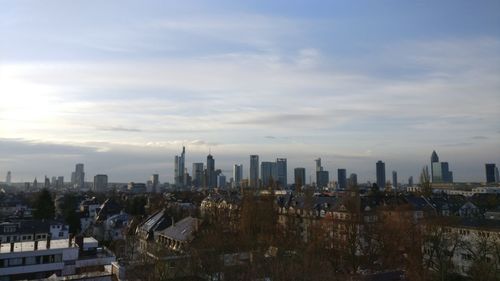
30,246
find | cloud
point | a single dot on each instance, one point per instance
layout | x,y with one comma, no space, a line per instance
119,129
479,137
11,147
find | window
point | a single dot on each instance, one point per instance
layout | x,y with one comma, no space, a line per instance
2,263
58,258
30,260
15,261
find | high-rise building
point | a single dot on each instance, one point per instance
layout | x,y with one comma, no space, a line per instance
198,174
395,180
100,183
318,165
254,171
8,178
342,179
268,173
490,173
300,177
440,172
353,180
237,175
79,176
410,181
211,176
60,182
497,176
381,174
46,182
281,172
322,178
155,183
221,181
179,168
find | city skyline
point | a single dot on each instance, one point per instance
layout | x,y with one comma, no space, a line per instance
340,81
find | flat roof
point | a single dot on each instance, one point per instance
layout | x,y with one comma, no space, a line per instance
30,246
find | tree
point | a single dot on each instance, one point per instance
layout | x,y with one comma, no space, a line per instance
71,217
44,205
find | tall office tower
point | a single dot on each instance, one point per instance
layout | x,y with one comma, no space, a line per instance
237,175
381,174
434,159
497,176
46,182
155,183
322,179
353,180
100,183
211,176
73,179
60,182
447,175
342,179
300,177
254,171
179,168
281,172
35,184
221,181
395,180
410,181
8,178
53,181
198,174
268,173
79,176
490,173
318,165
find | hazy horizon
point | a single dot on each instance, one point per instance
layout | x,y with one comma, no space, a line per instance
120,86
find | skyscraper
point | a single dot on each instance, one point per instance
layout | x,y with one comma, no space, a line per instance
100,183
8,178
322,179
490,173
318,165
353,180
155,182
497,175
221,181
434,159
342,179
281,172
237,175
268,173
395,180
79,180
254,171
179,168
198,174
410,181
211,176
300,177
381,174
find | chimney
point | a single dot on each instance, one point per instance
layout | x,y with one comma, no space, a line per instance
36,245
48,241
12,246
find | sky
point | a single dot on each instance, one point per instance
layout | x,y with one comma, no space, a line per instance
121,86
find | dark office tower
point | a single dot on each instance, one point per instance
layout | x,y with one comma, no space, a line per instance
381,175
211,176
300,177
237,175
254,171
353,180
268,174
490,173
395,180
198,174
179,168
497,176
35,184
8,178
322,179
342,179
46,183
100,183
79,176
281,172
447,175
155,182
410,181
